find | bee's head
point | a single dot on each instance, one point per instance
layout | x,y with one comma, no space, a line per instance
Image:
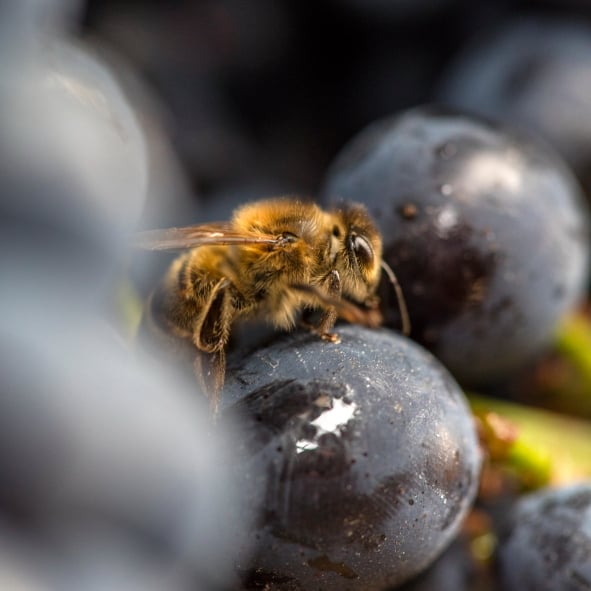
360,252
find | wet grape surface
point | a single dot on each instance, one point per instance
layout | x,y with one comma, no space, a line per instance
368,455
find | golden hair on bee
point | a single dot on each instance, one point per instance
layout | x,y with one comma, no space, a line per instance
273,260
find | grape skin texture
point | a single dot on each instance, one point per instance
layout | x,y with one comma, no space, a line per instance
366,452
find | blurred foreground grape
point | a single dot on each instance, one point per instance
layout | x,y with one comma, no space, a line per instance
73,170
98,447
486,230
112,477
365,452
66,122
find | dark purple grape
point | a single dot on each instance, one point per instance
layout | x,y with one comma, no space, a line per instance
365,451
548,543
533,72
485,228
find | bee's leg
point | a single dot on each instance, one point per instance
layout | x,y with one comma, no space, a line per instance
335,306
332,286
209,370
211,336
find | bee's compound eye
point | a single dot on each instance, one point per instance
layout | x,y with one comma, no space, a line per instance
288,237
362,249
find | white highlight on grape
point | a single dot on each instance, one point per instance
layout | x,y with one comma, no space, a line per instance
332,420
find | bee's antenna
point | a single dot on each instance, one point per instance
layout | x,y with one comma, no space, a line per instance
404,316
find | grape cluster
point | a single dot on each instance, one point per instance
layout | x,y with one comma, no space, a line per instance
371,464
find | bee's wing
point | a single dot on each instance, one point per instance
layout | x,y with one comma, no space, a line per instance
199,235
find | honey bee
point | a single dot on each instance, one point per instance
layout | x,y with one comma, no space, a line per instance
274,259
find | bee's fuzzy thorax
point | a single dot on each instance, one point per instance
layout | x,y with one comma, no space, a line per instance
274,259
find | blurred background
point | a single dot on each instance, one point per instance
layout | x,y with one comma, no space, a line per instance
259,96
